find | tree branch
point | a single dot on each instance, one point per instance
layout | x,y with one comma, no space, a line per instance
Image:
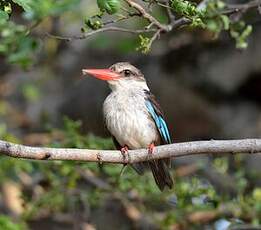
155,27
180,22
170,14
249,5
103,29
164,151
234,8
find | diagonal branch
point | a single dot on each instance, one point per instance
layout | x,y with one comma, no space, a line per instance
147,16
165,151
170,14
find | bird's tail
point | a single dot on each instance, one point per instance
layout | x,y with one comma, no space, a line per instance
161,173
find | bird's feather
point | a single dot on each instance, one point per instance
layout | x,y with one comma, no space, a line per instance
161,174
159,167
157,115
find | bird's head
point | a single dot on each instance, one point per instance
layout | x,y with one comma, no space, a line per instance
121,75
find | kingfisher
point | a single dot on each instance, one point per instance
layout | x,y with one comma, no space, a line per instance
134,118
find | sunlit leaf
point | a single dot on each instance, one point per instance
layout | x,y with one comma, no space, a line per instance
109,6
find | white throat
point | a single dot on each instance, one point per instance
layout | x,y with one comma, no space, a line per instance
127,85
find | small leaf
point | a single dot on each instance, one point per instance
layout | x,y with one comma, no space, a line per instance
247,31
144,44
212,25
186,8
109,6
225,21
257,194
7,8
93,24
220,5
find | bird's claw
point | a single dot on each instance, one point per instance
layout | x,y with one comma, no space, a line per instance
151,148
124,153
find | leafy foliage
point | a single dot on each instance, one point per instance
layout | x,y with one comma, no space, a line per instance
16,42
212,18
144,44
7,224
190,10
20,45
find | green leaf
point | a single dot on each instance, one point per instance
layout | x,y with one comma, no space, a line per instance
247,32
6,7
225,20
240,32
212,25
93,24
109,6
144,44
220,5
186,8
257,194
25,4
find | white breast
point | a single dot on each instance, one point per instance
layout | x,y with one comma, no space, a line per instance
128,120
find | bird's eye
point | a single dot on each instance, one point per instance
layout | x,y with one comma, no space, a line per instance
127,72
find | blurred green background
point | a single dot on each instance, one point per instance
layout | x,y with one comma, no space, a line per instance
208,89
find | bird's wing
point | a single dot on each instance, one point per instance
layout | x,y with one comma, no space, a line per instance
157,115
159,168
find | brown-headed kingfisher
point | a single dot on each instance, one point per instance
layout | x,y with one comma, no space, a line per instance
133,117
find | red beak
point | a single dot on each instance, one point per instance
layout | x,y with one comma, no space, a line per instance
103,74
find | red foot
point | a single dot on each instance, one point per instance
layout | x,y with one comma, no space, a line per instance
151,148
125,151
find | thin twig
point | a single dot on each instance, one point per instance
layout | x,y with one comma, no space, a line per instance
249,146
170,14
180,22
251,4
154,37
234,8
103,29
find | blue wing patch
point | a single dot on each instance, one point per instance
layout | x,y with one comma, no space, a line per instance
160,123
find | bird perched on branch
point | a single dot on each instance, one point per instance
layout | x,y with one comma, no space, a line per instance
133,117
